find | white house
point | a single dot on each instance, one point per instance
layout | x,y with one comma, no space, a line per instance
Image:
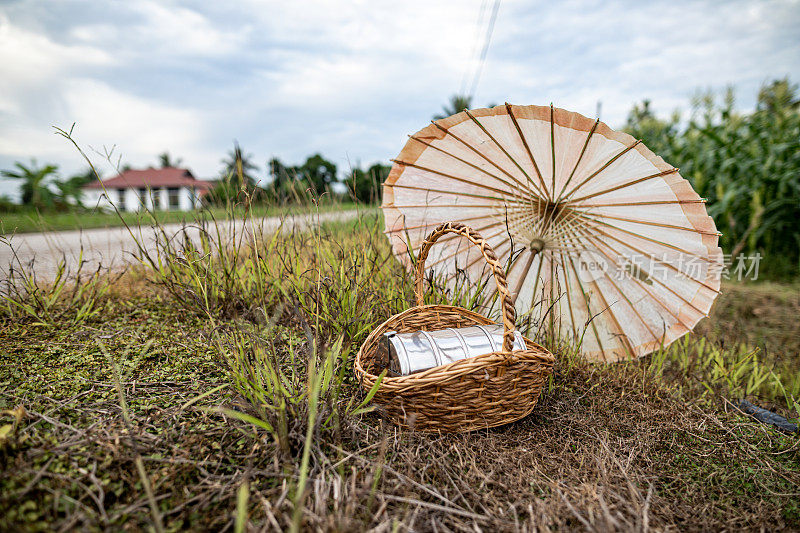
168,188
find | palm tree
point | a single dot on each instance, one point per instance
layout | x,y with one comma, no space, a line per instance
34,190
167,161
239,164
457,104
70,191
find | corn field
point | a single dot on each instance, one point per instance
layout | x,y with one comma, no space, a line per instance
746,164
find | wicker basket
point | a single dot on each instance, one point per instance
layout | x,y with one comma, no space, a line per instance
479,392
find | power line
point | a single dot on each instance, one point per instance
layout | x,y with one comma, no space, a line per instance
474,52
485,50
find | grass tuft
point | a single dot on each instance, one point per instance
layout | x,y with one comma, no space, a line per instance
69,297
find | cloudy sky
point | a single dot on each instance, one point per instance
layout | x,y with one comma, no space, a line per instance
351,79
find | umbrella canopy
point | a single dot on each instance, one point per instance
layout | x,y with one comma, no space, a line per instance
604,243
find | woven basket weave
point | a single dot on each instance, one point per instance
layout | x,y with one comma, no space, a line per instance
479,392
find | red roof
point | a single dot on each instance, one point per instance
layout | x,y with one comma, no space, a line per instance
153,178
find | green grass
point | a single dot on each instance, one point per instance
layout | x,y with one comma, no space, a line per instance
759,314
234,406
32,221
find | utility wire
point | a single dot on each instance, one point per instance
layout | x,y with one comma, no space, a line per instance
475,43
489,31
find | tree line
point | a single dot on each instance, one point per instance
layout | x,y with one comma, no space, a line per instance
42,187
284,183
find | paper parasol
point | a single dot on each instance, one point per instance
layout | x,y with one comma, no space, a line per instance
604,243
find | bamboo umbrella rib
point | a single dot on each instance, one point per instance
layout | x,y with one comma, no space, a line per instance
552,212
569,299
514,262
437,206
590,206
478,229
666,286
602,168
550,218
616,287
653,258
627,343
421,226
563,223
453,177
589,314
527,268
457,252
650,239
510,111
639,282
514,215
536,279
449,237
466,144
452,193
430,224
479,257
542,256
553,217
517,217
623,186
523,216
476,121
536,193
666,264
553,146
634,182
656,224
493,289
653,202
572,237
578,161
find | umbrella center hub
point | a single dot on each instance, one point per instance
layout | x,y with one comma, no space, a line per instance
547,225
537,245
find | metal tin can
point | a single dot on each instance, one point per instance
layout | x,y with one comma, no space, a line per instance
421,350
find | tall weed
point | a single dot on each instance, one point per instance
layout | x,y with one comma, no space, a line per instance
70,297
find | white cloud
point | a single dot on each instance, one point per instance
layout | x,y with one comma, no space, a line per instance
31,67
140,128
161,28
104,118
28,58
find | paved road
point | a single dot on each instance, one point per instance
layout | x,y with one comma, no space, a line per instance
113,247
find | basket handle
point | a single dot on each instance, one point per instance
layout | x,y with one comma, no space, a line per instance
509,314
